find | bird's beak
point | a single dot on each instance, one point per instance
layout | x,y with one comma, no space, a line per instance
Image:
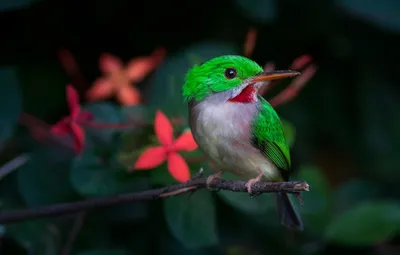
275,75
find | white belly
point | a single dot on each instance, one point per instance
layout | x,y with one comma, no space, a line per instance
223,134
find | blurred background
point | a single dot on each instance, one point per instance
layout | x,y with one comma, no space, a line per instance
126,59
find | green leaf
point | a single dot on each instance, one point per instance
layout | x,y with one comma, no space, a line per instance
9,5
104,252
10,103
165,88
384,14
365,223
43,180
243,202
355,191
192,219
317,201
38,237
104,113
97,175
258,10
290,132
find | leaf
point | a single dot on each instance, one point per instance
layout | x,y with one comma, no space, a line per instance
317,202
243,202
192,220
36,236
355,191
10,103
384,14
366,223
165,91
43,180
290,132
104,252
96,175
104,113
9,5
259,10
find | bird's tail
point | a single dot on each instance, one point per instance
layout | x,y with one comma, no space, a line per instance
287,213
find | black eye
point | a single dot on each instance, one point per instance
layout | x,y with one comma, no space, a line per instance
230,73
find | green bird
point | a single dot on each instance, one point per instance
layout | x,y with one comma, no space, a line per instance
236,128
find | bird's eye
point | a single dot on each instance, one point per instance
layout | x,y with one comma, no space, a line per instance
230,73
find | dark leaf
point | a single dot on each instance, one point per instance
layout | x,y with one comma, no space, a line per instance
243,202
384,14
192,220
10,103
365,223
260,10
44,180
317,202
9,5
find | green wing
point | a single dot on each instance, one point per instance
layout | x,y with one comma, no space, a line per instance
268,136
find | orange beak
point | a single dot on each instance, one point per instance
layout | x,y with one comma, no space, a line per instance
275,75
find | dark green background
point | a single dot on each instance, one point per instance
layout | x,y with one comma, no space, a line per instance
347,122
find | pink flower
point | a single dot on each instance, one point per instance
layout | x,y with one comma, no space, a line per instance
168,149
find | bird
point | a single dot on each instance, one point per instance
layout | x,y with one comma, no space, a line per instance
236,128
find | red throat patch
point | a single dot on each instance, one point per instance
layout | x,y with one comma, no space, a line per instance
247,95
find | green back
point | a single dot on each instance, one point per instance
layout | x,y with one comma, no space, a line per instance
269,138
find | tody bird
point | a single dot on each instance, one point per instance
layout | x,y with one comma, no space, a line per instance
236,128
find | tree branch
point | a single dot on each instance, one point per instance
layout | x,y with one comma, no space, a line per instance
196,183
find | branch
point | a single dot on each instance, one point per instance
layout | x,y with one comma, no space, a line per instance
190,186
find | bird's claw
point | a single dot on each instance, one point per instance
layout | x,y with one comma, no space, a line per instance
210,179
250,183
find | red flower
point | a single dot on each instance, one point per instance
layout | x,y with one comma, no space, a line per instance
155,156
70,124
117,78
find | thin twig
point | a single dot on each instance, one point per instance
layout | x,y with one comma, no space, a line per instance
76,227
194,184
14,164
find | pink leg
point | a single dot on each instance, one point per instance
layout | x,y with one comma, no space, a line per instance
251,182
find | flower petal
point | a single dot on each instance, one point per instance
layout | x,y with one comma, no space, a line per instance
85,116
250,42
79,137
101,89
178,168
128,95
163,129
109,63
61,128
73,101
300,62
151,158
138,68
185,142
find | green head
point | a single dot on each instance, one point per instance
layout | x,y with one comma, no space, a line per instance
230,75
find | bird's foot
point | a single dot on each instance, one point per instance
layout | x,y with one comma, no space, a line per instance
250,183
211,178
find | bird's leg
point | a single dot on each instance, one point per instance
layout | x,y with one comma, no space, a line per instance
251,182
211,178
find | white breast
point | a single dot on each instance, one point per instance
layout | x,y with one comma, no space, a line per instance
222,131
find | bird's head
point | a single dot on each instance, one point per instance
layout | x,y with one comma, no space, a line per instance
228,78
